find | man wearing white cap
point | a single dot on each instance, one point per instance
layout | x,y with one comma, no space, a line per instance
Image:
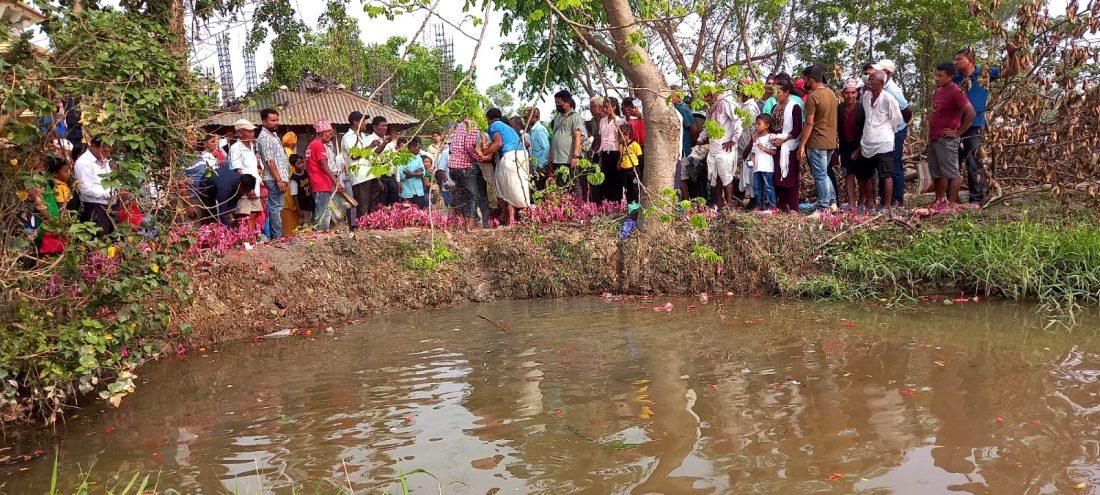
886,65
243,159
882,116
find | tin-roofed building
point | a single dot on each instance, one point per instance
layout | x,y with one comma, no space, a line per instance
299,109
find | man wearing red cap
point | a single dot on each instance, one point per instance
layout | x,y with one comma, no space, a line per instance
800,89
322,179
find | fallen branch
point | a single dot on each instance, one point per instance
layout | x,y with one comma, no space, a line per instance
847,231
502,327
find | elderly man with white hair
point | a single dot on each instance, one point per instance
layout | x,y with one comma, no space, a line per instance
882,116
723,149
886,65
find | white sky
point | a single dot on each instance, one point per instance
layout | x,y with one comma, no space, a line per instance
378,31
374,31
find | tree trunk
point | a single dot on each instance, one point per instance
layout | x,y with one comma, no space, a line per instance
663,127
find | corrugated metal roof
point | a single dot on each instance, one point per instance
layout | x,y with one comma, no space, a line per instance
22,7
306,107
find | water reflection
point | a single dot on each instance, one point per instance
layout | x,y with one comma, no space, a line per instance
591,396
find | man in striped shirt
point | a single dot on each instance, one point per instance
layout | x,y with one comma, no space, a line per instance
469,195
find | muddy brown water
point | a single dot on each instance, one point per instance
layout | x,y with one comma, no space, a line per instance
596,396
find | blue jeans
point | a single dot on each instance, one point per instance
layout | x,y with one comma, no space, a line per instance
322,219
819,167
764,189
274,209
899,170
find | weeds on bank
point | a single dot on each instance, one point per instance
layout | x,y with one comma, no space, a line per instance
1057,264
147,484
85,319
430,261
827,287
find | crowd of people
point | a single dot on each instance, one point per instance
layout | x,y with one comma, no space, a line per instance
802,125
492,176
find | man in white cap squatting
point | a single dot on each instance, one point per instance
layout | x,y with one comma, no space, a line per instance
243,159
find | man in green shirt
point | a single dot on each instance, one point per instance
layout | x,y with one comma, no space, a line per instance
565,149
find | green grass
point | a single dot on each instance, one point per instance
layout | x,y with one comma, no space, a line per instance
827,287
1057,264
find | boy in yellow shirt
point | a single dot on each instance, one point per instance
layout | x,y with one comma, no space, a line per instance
630,166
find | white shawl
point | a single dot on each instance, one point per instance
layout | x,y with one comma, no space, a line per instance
789,144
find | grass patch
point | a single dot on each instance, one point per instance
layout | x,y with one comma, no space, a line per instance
147,484
1057,264
826,287
430,261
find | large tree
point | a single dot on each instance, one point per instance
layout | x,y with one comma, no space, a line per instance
609,28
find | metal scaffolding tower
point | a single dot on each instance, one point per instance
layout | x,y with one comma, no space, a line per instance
377,72
250,79
226,70
356,45
446,49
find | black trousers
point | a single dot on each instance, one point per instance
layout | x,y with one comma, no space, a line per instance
100,215
976,178
420,201
366,194
632,180
390,196
612,187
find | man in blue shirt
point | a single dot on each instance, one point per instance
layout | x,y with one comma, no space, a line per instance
969,77
540,147
411,177
686,119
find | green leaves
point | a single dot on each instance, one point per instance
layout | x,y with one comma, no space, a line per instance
430,261
698,221
714,130
707,254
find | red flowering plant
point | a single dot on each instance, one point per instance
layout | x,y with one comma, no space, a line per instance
89,323
402,215
568,208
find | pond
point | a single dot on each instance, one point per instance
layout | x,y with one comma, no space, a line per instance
609,395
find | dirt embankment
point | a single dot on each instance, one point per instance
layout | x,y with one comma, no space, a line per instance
339,278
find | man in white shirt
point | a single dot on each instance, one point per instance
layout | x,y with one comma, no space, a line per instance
358,169
382,141
892,87
243,159
883,114
723,150
750,106
96,199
